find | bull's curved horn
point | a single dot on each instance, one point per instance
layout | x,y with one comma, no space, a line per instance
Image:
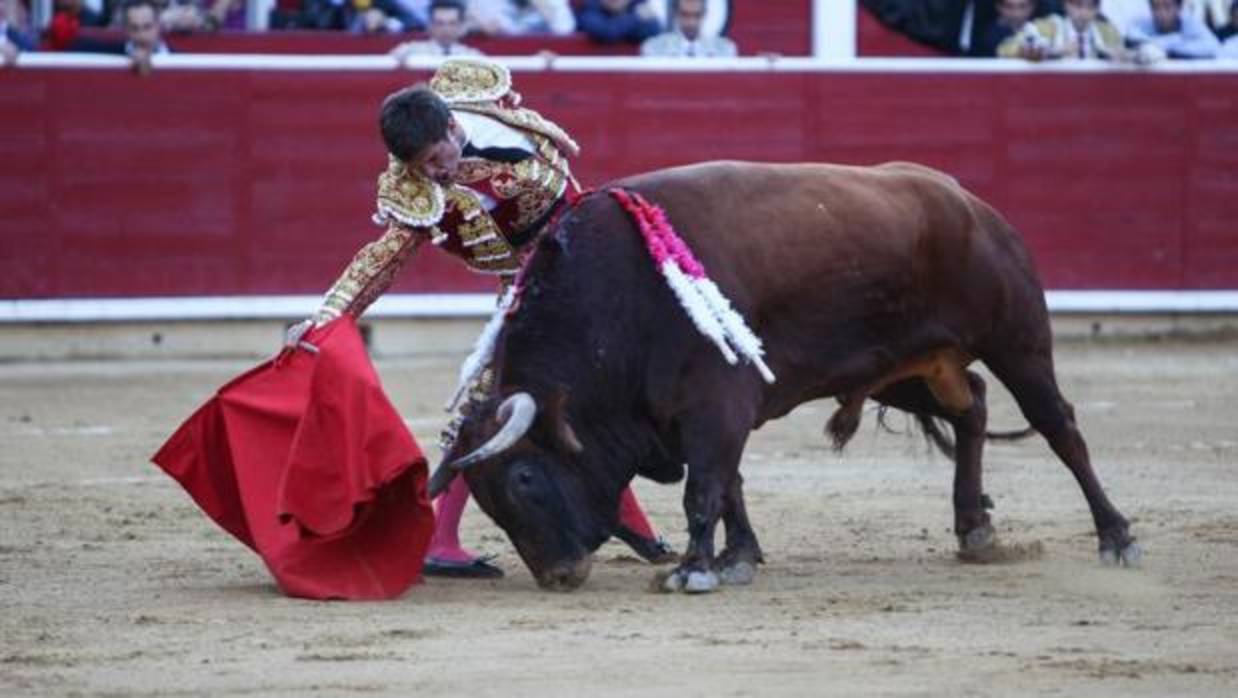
517,413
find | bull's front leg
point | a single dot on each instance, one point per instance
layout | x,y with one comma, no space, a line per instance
702,502
737,564
713,454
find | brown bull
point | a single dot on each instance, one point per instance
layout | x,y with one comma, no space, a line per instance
864,282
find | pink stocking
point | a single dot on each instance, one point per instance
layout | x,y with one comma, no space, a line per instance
448,508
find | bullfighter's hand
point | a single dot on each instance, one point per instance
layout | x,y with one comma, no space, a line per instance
293,335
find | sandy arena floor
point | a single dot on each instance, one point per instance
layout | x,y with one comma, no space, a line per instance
113,584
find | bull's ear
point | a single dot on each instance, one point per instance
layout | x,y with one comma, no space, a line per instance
441,479
561,433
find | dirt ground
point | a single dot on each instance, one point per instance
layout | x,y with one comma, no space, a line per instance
113,584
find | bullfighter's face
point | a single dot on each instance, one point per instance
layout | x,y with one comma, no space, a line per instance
441,160
552,518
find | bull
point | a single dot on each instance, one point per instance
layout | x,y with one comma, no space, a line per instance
881,282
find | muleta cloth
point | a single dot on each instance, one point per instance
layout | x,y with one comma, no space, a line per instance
305,460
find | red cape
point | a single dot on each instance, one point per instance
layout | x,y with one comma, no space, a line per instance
305,460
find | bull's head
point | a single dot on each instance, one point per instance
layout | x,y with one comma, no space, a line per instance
528,477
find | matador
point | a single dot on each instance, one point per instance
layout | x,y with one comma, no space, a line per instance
473,172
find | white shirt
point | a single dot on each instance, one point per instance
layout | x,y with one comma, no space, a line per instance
538,17
1122,12
674,44
1229,49
160,50
484,132
433,48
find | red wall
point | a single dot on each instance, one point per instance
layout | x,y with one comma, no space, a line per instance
240,182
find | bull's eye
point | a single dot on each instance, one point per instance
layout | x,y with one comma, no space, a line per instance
524,478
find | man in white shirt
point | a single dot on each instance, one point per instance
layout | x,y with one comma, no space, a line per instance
522,17
1122,13
12,40
1173,32
446,29
686,40
142,37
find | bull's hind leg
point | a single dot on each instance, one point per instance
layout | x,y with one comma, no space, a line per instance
1031,380
971,519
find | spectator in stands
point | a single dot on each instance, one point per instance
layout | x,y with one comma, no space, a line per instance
941,23
616,21
358,16
446,29
1121,13
1081,34
1214,13
1012,16
416,12
311,14
12,39
65,24
686,39
522,17
1171,32
142,34
1231,28
202,15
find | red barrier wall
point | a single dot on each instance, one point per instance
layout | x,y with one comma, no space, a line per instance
243,182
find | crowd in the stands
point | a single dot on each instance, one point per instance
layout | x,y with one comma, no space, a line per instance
667,28
1141,31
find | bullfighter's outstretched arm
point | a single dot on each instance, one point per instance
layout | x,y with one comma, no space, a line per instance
371,273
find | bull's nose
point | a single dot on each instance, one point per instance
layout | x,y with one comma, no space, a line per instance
566,576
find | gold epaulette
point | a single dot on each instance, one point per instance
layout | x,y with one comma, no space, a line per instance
408,198
471,80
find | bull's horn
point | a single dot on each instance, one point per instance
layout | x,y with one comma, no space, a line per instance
517,413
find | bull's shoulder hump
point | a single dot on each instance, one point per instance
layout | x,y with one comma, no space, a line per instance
915,169
710,173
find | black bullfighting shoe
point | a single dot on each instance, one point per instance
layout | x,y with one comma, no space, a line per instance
477,568
653,550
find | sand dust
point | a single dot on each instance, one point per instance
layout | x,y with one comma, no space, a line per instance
112,583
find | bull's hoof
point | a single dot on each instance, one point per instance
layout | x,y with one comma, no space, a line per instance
687,581
980,546
1129,556
738,573
701,582
976,542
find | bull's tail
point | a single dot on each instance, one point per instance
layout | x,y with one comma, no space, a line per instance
937,431
1012,435
936,435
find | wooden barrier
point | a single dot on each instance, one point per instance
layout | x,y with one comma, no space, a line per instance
235,182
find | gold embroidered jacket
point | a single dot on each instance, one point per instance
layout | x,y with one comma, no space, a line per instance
415,209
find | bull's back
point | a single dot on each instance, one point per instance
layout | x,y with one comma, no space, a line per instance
834,260
785,230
